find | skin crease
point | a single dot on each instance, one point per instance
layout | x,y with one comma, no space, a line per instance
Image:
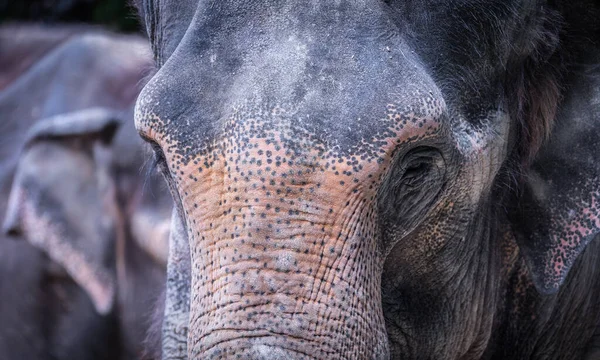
365,180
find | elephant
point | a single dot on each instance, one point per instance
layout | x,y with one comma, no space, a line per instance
379,179
23,45
83,287
84,209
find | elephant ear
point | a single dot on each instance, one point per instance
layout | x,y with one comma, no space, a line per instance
62,198
98,123
559,212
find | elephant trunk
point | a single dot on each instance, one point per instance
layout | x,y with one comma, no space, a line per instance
264,295
278,271
177,298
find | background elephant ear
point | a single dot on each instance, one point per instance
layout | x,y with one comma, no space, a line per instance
62,197
559,210
101,123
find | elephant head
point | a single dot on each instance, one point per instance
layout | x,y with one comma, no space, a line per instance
344,169
64,169
78,195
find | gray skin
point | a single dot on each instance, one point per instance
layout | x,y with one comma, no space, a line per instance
376,180
174,329
50,310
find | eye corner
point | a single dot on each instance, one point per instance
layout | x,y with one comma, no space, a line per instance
146,138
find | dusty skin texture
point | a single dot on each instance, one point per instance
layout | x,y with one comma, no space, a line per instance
289,257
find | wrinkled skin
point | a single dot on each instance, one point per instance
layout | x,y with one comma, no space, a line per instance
97,225
371,180
174,329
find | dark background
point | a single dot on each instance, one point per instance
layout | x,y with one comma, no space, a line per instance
118,15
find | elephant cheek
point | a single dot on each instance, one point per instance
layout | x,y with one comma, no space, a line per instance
49,236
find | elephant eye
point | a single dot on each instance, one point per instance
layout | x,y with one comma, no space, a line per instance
415,173
158,160
413,186
419,167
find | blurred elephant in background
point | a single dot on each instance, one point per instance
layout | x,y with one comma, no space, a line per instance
86,286
75,198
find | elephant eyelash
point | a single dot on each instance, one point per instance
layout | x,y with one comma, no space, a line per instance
151,166
157,163
159,160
